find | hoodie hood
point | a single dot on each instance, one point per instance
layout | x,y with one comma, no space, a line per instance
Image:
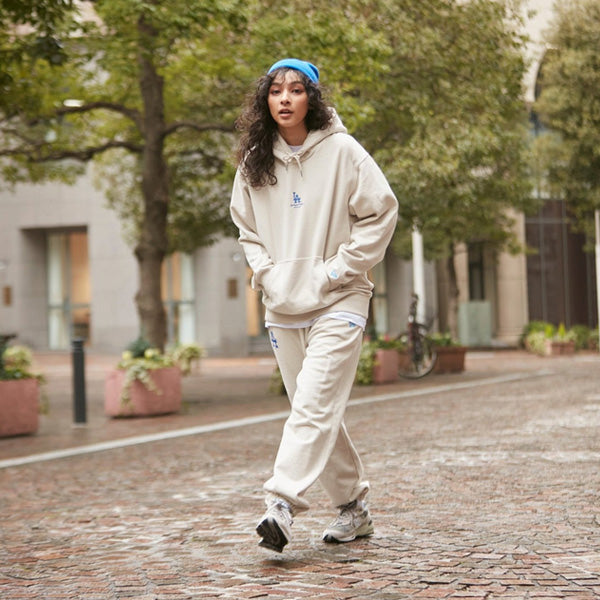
285,154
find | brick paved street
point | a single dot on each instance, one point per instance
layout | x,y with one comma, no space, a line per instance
485,485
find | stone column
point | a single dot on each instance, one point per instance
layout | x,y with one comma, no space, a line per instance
511,287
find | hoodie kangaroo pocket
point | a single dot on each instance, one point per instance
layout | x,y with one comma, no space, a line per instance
296,286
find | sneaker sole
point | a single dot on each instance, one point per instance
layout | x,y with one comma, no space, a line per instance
363,531
272,536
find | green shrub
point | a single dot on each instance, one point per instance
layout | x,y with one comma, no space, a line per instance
140,358
537,333
16,362
536,327
366,363
562,334
276,385
185,354
536,342
444,340
138,347
581,335
366,360
593,340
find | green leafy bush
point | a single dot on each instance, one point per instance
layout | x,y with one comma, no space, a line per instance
140,358
138,347
16,362
276,385
593,340
536,342
536,335
582,336
185,354
444,340
563,334
547,329
367,360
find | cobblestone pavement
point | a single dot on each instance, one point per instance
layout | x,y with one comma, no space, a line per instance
484,485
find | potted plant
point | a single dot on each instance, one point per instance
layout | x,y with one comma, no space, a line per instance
545,339
582,335
19,391
378,361
535,336
185,355
450,353
563,342
147,382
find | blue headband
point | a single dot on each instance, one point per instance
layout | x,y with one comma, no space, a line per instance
298,65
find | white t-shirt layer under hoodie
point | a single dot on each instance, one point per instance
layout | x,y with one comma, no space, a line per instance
311,238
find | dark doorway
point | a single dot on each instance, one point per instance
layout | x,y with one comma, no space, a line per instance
560,275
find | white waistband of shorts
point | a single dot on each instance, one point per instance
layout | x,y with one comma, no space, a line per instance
358,320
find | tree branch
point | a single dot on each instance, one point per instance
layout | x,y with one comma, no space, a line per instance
197,127
130,113
208,158
85,154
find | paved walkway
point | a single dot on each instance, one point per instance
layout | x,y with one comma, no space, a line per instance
485,485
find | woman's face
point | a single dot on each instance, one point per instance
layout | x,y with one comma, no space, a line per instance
288,105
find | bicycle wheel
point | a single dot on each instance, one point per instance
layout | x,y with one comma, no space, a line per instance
419,357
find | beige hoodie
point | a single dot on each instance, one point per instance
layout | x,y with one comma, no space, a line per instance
311,238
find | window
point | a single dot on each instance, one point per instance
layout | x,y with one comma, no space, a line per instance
68,288
179,298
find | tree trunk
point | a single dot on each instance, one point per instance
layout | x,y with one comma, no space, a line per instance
452,316
152,244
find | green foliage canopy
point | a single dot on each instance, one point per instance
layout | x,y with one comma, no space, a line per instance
150,90
432,88
207,55
569,107
449,120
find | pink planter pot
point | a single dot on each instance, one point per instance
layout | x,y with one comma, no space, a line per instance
386,366
143,402
19,407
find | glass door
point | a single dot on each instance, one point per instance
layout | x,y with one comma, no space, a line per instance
179,298
69,290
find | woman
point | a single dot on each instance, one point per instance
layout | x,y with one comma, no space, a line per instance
315,213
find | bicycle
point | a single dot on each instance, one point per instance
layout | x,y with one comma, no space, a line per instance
420,356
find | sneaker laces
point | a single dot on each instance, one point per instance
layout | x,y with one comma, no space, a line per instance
347,513
283,507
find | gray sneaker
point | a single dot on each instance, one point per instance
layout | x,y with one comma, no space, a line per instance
353,521
275,527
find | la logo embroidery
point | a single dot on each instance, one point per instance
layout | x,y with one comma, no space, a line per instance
296,201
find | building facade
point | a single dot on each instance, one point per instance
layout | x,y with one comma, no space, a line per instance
66,272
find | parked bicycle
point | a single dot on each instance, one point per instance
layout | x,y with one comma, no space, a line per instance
420,355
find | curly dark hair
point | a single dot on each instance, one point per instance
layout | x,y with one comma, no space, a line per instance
259,129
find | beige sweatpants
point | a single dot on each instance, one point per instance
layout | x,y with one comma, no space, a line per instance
318,366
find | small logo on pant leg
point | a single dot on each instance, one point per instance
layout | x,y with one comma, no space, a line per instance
274,342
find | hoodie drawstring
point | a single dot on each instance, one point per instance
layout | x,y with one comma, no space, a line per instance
294,157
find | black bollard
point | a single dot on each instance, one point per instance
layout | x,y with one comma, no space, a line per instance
79,402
